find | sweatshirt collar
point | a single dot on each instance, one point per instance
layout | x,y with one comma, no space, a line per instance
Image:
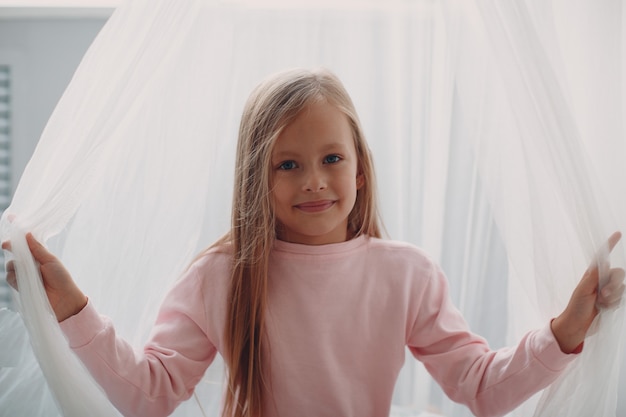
329,249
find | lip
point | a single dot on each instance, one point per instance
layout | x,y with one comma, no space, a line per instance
315,206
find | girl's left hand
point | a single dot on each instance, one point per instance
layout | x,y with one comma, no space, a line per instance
571,326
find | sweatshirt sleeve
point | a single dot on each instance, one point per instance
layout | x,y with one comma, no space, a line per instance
489,382
152,381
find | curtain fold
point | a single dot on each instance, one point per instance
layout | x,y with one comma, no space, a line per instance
549,200
496,129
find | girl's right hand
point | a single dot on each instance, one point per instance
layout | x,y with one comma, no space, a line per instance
65,298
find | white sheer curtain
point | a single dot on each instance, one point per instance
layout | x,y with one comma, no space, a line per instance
494,112
542,160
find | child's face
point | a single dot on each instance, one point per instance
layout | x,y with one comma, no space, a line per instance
315,176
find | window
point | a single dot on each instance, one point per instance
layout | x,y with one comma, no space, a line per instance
5,167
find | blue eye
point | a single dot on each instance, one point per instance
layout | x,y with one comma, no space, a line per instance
332,159
287,165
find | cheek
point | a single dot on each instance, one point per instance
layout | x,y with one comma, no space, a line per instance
350,188
279,194
352,180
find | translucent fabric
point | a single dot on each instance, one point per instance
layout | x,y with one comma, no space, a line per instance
554,207
133,173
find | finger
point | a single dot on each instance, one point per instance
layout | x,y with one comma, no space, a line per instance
614,303
602,255
39,251
613,239
616,276
613,291
6,245
600,267
11,278
614,288
615,294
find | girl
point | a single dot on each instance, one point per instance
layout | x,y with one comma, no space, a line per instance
309,307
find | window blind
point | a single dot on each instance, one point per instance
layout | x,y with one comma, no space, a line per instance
5,168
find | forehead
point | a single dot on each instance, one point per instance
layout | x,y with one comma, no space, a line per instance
318,124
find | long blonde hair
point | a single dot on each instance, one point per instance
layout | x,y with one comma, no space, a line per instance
271,107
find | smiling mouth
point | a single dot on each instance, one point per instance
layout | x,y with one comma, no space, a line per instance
315,206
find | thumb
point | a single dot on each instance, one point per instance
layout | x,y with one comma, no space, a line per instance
39,251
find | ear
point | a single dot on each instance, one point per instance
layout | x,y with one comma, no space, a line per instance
360,181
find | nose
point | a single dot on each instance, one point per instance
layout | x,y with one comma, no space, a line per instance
315,180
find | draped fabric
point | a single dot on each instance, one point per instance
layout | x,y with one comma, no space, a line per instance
540,163
497,134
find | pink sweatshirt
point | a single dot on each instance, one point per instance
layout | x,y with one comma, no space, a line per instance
339,319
